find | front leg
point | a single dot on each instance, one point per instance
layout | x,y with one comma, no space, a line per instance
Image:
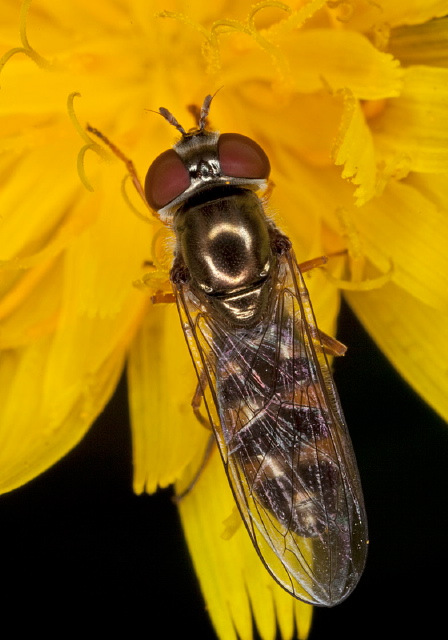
280,243
179,273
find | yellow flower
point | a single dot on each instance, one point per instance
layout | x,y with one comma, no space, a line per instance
349,100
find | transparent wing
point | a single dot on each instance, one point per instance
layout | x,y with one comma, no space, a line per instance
282,437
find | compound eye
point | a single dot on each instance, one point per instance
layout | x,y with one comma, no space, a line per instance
241,157
167,178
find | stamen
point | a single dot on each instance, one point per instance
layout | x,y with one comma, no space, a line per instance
274,51
26,48
249,28
211,47
184,19
80,167
71,113
159,236
132,172
365,285
91,144
357,259
142,216
295,20
157,278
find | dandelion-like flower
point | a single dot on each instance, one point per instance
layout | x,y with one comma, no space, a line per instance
349,100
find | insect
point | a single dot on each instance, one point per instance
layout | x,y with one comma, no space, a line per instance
260,361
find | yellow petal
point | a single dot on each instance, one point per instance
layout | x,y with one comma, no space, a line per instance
165,433
409,230
104,277
45,423
415,125
232,577
37,195
370,14
413,336
297,211
404,231
355,150
124,60
82,326
32,306
421,44
310,60
341,60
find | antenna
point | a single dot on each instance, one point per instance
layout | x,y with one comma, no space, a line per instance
199,114
171,119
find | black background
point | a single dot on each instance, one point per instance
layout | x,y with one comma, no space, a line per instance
80,552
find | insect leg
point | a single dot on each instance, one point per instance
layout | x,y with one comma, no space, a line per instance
197,475
313,263
330,345
163,297
319,261
196,403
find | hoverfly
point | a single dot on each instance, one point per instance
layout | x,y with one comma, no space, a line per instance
260,361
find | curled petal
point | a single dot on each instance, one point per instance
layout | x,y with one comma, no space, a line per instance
354,149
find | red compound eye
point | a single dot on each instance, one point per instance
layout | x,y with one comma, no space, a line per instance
167,178
241,157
